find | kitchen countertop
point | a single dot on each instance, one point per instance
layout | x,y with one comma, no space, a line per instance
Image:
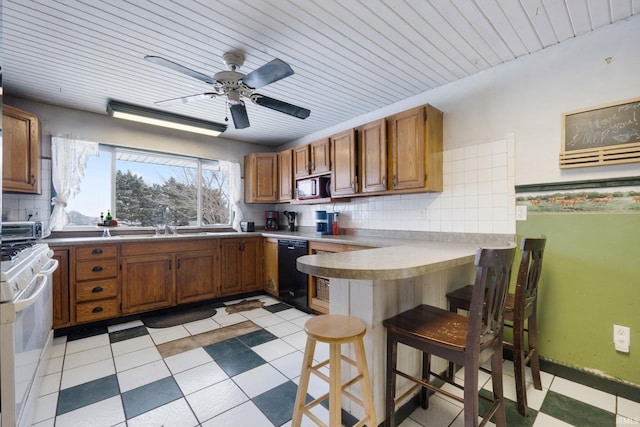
410,259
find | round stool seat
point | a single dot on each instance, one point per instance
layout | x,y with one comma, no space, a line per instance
335,328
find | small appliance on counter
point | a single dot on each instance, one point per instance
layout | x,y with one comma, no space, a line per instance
271,220
324,223
247,226
291,219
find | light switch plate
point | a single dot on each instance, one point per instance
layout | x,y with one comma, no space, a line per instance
521,213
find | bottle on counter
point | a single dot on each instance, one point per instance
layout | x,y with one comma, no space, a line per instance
102,218
335,225
108,218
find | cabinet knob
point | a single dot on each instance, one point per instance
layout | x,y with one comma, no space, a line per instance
97,289
33,180
97,268
97,310
393,181
97,251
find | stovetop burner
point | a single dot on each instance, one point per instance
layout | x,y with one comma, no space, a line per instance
9,251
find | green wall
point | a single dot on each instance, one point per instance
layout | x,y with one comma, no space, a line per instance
590,281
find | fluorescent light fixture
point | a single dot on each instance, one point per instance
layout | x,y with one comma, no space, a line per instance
162,118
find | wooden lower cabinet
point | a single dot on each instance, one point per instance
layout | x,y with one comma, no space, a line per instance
60,288
242,265
196,276
147,283
95,294
271,265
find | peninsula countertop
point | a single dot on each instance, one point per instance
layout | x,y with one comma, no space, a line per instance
390,262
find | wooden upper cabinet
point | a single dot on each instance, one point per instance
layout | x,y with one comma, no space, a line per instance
415,149
20,151
301,163
372,149
285,166
261,178
344,180
320,157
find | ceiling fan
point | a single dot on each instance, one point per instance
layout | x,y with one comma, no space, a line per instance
237,86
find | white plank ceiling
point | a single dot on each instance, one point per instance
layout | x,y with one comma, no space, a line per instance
350,57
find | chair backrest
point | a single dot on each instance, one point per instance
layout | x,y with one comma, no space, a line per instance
486,312
529,274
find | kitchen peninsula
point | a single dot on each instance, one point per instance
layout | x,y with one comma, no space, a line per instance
375,284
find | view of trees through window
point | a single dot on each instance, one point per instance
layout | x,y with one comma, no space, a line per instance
151,189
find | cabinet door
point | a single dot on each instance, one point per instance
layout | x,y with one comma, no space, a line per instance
285,165
271,266
301,161
230,266
252,262
60,286
344,181
372,148
147,283
20,151
320,156
406,141
261,178
196,276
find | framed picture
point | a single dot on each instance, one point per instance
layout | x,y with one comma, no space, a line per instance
603,135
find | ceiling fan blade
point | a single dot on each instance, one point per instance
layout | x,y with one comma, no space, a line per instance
270,72
180,68
283,107
187,99
240,117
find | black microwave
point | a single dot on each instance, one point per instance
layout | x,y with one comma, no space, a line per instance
313,188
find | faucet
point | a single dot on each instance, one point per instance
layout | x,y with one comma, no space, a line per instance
167,220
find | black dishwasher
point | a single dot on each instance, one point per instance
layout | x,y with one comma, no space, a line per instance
292,284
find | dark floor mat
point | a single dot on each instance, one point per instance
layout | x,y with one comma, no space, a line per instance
178,317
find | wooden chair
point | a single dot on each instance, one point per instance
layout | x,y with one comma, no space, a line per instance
335,329
468,341
520,306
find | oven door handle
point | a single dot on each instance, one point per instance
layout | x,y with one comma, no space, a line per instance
50,266
21,304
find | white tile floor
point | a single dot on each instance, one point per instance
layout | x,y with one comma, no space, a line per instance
206,395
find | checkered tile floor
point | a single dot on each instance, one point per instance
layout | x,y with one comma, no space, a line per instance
117,376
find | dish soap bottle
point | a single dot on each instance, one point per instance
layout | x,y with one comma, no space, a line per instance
336,225
108,218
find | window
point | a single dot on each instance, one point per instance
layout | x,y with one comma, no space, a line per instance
143,189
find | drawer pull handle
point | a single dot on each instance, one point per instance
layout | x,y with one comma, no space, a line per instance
97,310
97,289
97,268
97,251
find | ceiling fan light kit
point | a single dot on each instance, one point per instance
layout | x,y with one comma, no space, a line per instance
136,113
236,86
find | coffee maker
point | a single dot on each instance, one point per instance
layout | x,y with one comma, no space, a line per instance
324,223
271,220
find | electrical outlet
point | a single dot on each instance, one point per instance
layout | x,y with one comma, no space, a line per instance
621,338
521,213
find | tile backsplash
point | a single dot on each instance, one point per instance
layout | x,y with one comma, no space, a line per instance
17,207
478,197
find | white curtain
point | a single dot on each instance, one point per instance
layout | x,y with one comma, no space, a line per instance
69,159
235,192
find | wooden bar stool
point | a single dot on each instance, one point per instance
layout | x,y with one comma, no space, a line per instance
466,341
521,306
335,330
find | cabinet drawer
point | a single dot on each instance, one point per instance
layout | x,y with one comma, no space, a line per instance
97,289
97,310
98,269
96,252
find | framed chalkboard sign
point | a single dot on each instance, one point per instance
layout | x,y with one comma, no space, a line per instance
607,134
